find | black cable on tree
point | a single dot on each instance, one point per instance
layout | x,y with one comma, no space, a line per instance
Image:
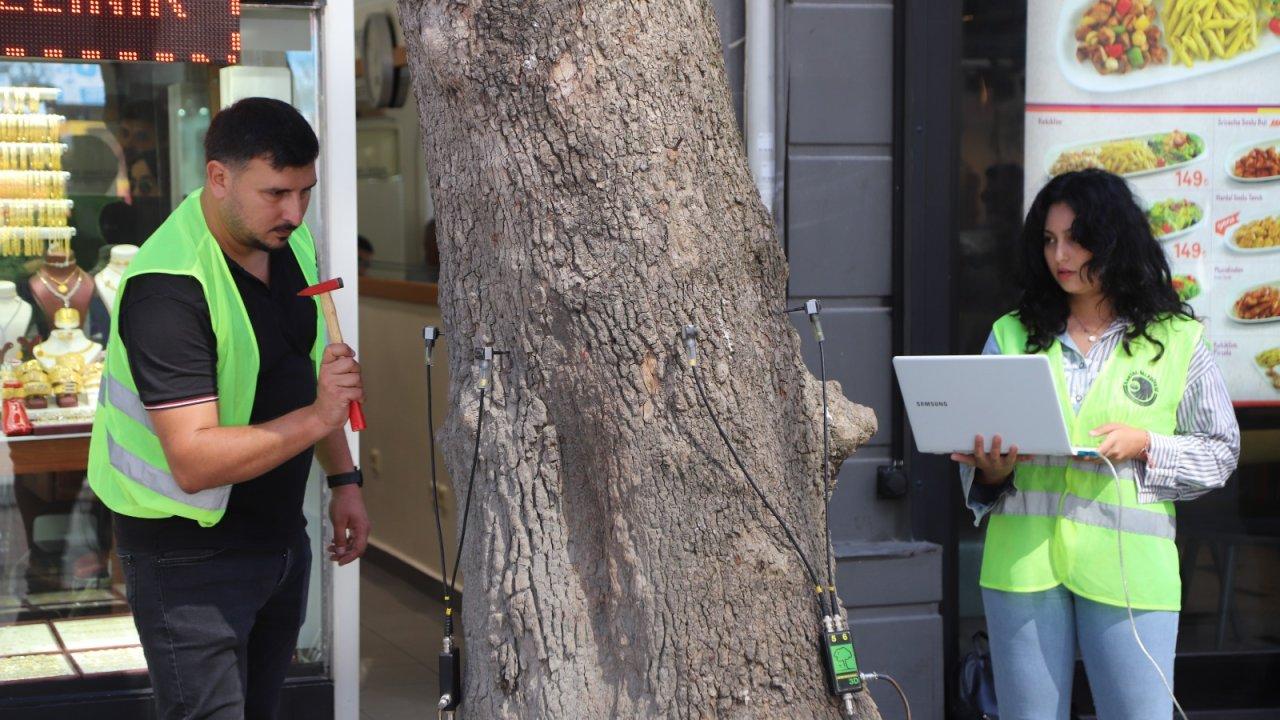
813,577
471,484
435,503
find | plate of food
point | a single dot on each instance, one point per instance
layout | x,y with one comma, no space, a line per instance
1258,304
1257,234
1132,156
1255,162
1119,45
1268,363
1172,218
1186,286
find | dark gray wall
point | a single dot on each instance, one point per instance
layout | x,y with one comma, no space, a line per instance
836,142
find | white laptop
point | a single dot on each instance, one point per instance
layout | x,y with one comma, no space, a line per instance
952,398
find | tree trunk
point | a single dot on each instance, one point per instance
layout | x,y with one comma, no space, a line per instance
592,198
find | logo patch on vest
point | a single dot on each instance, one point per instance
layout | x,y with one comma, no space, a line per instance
1141,388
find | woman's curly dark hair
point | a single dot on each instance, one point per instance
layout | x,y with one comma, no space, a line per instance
1130,264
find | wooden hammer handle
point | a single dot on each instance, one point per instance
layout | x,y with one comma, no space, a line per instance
355,413
330,318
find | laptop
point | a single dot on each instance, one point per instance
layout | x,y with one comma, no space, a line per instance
951,398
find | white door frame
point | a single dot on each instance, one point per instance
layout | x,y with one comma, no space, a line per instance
338,161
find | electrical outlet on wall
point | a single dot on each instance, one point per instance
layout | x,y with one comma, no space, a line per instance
375,461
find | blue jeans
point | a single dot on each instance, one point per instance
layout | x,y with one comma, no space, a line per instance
1034,637
218,626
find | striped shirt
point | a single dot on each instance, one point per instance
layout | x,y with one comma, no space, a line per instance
1200,455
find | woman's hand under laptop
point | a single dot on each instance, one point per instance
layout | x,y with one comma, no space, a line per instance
993,466
1122,443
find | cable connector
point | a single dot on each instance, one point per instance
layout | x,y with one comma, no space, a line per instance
485,369
450,680
690,337
814,309
486,356
430,333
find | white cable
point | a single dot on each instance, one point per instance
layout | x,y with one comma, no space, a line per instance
1124,582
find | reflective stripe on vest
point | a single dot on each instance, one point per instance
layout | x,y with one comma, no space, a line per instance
1106,515
115,394
1089,512
155,479
1031,502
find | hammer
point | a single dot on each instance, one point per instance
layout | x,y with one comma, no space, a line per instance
354,413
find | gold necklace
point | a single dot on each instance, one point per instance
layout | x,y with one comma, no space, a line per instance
63,283
64,293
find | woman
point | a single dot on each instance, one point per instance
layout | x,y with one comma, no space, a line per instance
1131,364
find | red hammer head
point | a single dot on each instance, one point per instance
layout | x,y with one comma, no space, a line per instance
327,286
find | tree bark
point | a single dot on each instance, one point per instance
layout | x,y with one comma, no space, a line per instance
592,198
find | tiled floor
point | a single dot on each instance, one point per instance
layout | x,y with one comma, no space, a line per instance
400,633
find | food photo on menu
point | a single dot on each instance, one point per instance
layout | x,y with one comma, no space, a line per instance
1173,218
1256,236
1259,163
1131,156
1117,45
1268,362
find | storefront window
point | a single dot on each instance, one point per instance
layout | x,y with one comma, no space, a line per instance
1018,123
396,217
93,157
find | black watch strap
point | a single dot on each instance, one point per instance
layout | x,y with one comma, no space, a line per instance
355,477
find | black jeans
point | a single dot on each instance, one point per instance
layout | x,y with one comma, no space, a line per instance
218,626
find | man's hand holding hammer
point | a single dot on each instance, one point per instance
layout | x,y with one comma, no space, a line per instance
339,385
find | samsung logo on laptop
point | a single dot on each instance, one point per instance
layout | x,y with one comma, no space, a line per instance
931,403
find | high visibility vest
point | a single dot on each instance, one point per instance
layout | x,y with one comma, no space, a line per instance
127,467
1059,528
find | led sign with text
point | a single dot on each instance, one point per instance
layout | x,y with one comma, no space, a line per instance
199,31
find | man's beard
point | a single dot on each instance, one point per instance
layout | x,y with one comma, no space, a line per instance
260,244
246,237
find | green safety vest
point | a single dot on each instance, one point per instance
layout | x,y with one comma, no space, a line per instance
1059,527
127,467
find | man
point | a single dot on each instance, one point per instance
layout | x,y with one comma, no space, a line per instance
217,388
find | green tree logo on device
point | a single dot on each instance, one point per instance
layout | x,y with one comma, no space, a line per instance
1141,388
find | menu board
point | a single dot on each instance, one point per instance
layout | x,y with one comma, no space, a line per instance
1184,102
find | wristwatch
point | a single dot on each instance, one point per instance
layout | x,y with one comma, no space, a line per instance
354,477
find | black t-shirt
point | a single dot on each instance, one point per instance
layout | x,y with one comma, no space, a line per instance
168,336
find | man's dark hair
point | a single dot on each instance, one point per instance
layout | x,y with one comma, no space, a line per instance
259,127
